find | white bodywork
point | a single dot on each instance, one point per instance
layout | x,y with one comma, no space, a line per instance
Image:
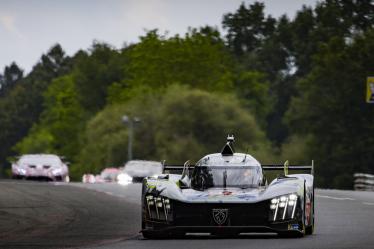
40,166
141,169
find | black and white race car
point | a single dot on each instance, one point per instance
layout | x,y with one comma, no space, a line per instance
227,194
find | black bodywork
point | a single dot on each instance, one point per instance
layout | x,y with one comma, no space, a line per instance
172,205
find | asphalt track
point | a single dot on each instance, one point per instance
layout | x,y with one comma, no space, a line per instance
47,215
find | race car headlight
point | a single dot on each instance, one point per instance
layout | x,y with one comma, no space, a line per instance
293,197
124,179
283,207
158,208
21,171
57,171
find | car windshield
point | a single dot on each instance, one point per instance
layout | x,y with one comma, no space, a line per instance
204,177
49,160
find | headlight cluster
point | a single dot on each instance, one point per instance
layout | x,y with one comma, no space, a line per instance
283,207
124,179
57,171
21,171
158,207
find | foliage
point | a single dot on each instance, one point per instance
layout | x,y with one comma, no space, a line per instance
94,72
12,75
287,88
332,108
199,59
60,122
22,105
202,122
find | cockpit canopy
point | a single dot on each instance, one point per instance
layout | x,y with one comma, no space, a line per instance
216,170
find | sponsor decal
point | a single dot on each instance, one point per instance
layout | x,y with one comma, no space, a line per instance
370,90
220,215
293,226
197,196
246,196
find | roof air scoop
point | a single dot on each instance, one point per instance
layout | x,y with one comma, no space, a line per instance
228,149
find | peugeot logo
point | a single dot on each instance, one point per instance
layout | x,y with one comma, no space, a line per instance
220,215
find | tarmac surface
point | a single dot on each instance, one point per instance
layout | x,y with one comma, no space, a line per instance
55,215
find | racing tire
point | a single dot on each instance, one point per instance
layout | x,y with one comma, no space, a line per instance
310,229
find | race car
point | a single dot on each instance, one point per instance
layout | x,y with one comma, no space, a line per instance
137,170
227,194
40,167
88,178
107,175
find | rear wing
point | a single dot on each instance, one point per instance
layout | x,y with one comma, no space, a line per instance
272,171
269,169
176,168
309,169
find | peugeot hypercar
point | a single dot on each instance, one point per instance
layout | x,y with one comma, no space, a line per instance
40,167
226,194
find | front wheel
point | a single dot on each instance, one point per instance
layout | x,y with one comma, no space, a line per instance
310,229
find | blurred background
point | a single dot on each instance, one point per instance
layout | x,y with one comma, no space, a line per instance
288,78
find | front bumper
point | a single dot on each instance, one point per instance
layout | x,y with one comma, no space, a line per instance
281,227
241,218
44,175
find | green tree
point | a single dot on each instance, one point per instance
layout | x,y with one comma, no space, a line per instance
180,124
22,105
195,122
247,28
331,107
11,76
61,121
94,72
199,60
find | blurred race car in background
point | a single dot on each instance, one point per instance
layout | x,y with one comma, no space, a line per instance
107,175
226,194
40,167
88,178
136,170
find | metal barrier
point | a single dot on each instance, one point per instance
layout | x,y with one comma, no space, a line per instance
363,182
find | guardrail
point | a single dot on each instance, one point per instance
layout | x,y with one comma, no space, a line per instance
363,182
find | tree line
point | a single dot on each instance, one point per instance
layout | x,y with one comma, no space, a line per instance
289,89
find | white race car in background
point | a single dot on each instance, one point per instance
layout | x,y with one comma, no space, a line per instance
40,167
88,178
107,175
137,170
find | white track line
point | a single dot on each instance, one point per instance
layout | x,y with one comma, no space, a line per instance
335,198
368,203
